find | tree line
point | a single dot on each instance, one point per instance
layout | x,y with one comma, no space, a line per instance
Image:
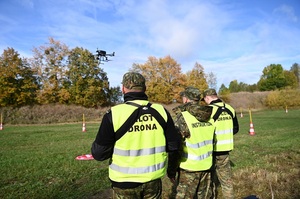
273,77
57,74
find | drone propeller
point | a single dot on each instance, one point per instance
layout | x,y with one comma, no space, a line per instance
102,56
112,54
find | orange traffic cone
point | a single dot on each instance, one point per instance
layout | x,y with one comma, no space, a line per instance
251,132
83,127
1,126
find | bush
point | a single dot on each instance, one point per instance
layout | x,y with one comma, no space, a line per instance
283,98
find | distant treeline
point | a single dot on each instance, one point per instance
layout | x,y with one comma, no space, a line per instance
58,113
59,75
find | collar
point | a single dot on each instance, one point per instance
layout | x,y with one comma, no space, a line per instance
215,101
135,96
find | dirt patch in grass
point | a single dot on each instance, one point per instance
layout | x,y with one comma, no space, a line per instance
278,179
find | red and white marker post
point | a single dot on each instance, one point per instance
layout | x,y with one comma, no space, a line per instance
83,124
251,131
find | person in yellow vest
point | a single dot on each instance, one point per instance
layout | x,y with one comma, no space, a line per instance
141,141
227,125
192,121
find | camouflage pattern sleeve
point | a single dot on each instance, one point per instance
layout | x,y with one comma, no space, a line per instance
179,121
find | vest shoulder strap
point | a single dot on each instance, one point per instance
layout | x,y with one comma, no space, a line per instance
141,110
220,110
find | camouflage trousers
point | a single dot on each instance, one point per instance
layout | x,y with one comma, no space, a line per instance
149,190
222,175
193,185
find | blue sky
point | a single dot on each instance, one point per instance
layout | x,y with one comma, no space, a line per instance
234,39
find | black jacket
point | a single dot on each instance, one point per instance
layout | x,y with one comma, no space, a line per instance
103,146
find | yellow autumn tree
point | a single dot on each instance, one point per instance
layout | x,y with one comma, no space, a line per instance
18,82
196,77
51,62
164,79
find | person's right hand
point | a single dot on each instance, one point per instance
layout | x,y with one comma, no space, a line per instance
172,180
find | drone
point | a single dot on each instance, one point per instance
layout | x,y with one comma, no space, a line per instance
102,56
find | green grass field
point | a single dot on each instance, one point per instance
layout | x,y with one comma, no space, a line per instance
268,164
39,161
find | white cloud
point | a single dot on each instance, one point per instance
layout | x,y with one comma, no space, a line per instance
234,40
27,3
287,11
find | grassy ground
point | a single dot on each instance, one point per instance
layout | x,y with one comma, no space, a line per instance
39,161
268,164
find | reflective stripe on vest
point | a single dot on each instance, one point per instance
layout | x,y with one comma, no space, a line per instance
197,158
222,132
200,144
226,141
197,150
138,170
224,128
140,154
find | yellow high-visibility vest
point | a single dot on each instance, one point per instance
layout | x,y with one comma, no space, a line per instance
224,128
197,150
140,154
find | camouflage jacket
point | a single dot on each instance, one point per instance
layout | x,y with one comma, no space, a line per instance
201,113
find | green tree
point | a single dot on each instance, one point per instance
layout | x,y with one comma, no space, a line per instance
18,82
234,86
51,62
224,93
243,86
164,79
115,95
223,90
291,79
252,88
87,82
272,78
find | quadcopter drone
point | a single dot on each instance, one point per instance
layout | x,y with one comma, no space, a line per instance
101,56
